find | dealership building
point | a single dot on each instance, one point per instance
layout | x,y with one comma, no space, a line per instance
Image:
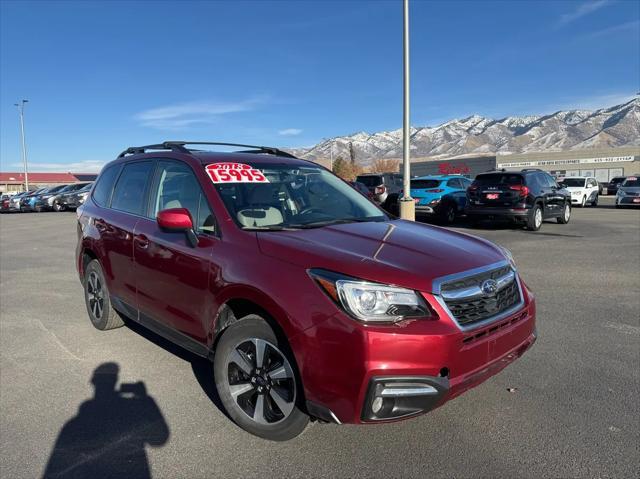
601,163
15,182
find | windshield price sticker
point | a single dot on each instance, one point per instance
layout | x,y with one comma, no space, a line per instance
234,173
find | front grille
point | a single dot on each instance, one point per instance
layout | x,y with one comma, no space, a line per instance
475,306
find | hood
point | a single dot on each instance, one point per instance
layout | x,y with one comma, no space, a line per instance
574,188
630,189
398,252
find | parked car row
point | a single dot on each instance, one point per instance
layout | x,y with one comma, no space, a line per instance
54,198
526,197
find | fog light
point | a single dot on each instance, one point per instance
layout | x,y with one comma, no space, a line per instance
376,405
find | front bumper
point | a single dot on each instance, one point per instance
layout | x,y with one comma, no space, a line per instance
343,363
628,200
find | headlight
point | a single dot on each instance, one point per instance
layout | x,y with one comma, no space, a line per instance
371,302
50,200
435,202
576,193
508,256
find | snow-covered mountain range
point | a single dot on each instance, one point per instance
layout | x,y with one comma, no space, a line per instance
564,130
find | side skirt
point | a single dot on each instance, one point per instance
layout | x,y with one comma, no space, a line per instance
161,329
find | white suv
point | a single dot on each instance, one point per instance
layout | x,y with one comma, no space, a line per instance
583,189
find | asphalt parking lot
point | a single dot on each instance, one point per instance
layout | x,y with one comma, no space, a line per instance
570,407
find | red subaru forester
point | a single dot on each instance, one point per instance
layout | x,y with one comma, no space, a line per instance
310,301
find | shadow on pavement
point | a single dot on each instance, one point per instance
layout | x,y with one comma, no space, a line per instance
108,435
201,367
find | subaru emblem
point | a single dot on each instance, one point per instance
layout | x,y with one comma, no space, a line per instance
489,287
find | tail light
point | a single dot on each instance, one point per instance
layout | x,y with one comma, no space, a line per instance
524,190
380,190
435,190
473,186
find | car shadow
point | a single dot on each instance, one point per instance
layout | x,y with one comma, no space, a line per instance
109,434
201,367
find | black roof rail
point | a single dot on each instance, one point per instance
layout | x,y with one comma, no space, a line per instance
179,147
531,169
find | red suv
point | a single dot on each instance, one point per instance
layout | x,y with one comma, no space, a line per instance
310,301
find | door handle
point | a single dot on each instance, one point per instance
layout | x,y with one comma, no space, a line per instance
141,241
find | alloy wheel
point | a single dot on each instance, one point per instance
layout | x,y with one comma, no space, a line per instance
567,213
538,218
95,295
261,381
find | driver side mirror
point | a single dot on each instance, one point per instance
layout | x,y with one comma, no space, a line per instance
178,220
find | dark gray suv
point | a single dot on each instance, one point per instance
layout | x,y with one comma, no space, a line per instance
384,187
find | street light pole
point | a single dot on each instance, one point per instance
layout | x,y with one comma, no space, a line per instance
407,206
24,146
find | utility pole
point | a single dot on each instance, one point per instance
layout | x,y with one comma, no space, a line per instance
24,147
407,206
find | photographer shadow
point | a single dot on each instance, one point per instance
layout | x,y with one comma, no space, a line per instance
109,434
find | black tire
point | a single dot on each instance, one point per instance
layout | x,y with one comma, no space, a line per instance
564,218
58,207
595,201
447,213
239,344
534,220
97,300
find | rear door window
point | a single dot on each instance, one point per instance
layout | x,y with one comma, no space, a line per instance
130,193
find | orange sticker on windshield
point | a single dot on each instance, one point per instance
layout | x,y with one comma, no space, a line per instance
234,173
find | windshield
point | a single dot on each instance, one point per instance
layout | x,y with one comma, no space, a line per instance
295,197
631,182
424,184
617,180
370,180
572,182
499,179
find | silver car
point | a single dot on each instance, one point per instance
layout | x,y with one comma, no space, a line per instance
629,193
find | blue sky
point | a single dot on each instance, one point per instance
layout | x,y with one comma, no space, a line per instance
101,76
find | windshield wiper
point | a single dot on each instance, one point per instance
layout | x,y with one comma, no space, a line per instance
270,228
339,221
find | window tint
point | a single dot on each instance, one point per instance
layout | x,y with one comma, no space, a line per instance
499,179
129,194
551,181
103,188
424,184
178,187
454,183
370,180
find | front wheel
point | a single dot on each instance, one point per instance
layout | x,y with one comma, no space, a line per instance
584,202
595,201
566,214
256,381
58,207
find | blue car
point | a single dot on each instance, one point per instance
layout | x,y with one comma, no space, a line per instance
440,196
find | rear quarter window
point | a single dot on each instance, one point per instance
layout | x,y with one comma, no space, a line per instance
104,185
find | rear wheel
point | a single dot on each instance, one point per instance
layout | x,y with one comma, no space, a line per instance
534,221
96,297
448,214
256,381
566,214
